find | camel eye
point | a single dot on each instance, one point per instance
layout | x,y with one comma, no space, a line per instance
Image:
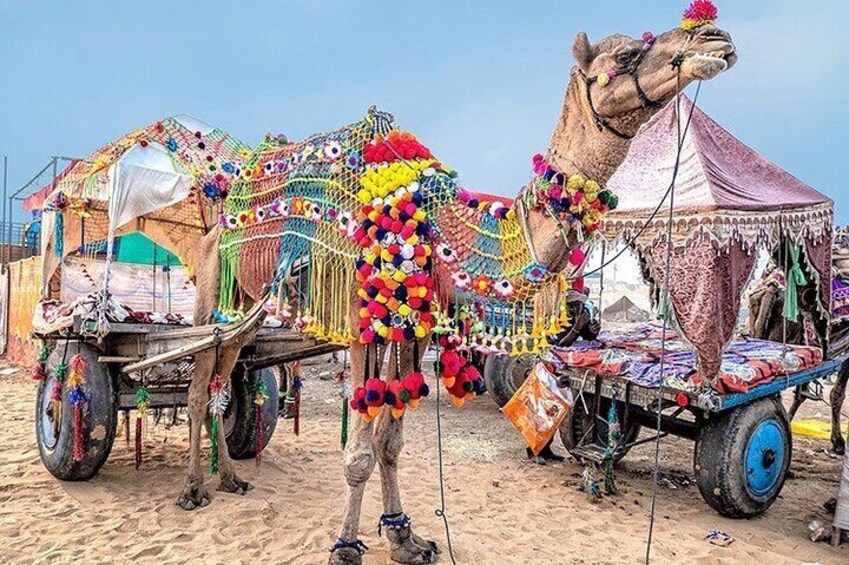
628,56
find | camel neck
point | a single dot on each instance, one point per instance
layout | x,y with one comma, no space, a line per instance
578,146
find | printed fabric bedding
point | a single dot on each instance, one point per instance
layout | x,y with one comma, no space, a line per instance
635,355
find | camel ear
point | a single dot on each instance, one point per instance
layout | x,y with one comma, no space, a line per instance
583,51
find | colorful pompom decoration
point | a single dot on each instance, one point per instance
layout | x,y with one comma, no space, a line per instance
393,269
574,199
699,13
460,378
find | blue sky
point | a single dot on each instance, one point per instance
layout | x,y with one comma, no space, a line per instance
480,82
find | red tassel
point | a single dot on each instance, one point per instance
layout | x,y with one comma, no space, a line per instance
138,442
297,410
79,444
259,434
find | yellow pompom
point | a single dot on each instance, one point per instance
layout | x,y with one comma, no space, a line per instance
420,331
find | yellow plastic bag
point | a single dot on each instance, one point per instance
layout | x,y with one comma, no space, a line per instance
538,407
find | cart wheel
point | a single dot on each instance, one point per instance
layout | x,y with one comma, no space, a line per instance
504,374
55,435
240,416
742,458
577,423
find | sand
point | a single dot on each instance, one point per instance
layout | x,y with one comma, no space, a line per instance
502,509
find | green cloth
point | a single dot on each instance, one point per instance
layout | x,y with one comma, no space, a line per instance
795,279
137,249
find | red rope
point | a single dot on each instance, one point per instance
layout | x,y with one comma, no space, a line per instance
79,443
138,442
297,411
259,434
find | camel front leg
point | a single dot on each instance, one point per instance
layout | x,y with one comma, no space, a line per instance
194,493
838,394
407,547
359,465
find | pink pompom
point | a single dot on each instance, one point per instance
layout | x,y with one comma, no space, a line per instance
578,257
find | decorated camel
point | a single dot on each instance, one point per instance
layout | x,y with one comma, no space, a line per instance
767,321
385,250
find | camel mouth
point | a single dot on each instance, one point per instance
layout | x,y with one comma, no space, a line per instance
709,64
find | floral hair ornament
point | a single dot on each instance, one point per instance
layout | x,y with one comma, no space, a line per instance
699,13
604,78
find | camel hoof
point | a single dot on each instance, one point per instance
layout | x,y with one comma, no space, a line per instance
194,498
425,543
346,556
194,495
234,485
408,551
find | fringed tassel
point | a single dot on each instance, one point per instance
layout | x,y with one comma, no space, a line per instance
39,370
613,435
589,485
76,397
297,385
260,397
213,446
59,374
219,398
142,403
59,234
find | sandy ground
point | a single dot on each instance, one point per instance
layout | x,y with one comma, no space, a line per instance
502,509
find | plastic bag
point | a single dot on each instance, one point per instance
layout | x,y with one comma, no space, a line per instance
538,407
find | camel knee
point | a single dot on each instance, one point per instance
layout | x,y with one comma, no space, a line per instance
389,446
359,466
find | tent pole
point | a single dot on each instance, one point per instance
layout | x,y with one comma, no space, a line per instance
3,260
154,278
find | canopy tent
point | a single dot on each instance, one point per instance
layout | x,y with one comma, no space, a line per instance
624,310
728,202
163,180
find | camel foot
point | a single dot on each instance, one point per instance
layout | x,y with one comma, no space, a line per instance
194,495
425,543
345,556
345,552
234,485
408,551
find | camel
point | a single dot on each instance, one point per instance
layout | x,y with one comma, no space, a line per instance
598,119
766,304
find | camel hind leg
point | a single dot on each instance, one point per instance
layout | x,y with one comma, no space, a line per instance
194,492
407,547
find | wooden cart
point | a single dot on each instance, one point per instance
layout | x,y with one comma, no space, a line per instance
743,445
161,358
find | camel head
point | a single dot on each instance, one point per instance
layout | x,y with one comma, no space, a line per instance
625,81
617,85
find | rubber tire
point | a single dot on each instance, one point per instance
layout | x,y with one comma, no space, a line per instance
100,417
719,458
577,421
240,416
503,375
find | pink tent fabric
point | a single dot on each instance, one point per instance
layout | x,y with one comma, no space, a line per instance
729,201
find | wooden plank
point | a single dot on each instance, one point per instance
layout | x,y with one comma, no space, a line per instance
233,332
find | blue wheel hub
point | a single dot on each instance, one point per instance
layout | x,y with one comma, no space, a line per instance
764,458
